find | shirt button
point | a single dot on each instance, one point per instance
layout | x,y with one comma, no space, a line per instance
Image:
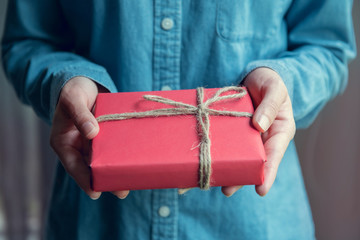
167,24
166,88
164,211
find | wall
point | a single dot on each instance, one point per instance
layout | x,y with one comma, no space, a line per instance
330,157
26,163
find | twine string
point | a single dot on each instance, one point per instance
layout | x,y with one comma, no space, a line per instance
202,113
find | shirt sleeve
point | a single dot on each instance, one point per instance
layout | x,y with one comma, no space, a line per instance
38,56
320,44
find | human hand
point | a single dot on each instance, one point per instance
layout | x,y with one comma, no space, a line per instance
73,127
273,117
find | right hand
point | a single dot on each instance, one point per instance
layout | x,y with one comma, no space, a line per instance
273,117
73,127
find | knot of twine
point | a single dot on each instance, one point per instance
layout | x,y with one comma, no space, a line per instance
202,112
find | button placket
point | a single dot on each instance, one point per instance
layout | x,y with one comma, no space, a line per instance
167,44
166,76
164,214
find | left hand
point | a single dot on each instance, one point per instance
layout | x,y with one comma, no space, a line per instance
73,127
273,117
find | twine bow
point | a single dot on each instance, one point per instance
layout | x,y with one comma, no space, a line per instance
202,112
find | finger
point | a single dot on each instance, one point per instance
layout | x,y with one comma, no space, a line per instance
275,148
182,191
76,107
121,194
73,163
274,95
229,191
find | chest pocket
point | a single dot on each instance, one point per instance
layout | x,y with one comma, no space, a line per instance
249,19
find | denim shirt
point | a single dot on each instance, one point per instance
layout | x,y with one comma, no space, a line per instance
128,45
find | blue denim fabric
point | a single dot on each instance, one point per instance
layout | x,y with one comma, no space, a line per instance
124,46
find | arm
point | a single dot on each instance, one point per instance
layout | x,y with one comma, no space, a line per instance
39,59
320,44
38,55
298,83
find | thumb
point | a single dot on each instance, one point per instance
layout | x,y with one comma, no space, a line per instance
77,108
274,95
86,123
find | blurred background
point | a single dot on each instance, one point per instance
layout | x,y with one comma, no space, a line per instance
329,154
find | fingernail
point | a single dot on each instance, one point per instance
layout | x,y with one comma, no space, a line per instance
122,195
95,195
88,127
229,194
181,191
264,123
232,191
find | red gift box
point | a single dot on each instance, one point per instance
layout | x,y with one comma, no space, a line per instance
163,152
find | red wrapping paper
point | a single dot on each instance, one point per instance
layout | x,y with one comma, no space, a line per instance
162,152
